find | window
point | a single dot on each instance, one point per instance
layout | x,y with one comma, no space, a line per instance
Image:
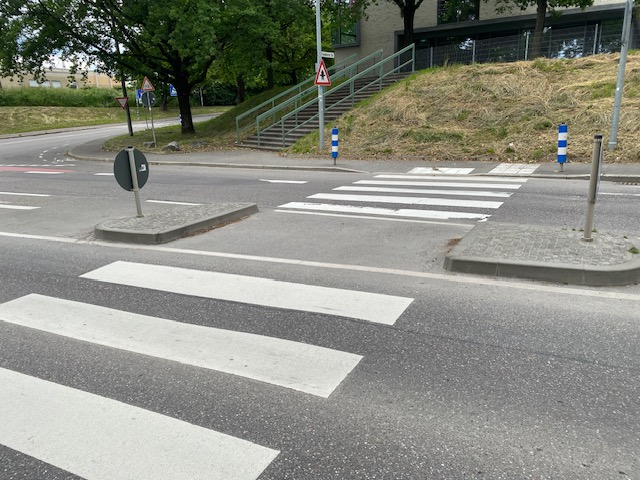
346,31
452,11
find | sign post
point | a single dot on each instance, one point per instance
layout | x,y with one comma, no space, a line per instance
131,171
320,87
147,89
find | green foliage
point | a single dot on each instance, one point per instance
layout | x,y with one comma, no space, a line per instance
603,90
634,250
543,125
59,97
427,135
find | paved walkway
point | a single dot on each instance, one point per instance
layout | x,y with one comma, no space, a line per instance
525,251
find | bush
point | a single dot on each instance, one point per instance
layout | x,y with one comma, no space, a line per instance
60,97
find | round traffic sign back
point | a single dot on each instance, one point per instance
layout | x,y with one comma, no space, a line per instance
122,169
148,99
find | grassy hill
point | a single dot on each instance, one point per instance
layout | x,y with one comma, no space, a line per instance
505,112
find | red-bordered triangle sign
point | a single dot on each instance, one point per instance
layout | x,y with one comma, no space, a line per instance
146,85
322,77
122,101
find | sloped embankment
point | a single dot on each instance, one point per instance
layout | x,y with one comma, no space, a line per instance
505,112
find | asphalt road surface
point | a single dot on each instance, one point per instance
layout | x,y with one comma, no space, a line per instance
308,341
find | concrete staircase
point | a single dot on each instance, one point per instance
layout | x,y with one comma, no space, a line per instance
271,137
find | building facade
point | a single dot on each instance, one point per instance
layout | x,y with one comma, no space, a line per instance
62,78
466,31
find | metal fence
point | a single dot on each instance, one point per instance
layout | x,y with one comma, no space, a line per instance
556,43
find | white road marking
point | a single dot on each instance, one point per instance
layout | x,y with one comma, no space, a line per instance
17,207
621,194
97,438
104,174
437,184
284,181
25,194
466,179
433,214
377,308
463,193
448,277
168,202
298,366
441,170
440,202
44,173
365,217
514,169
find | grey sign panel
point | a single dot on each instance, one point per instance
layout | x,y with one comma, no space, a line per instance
122,170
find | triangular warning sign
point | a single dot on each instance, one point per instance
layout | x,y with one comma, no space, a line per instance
122,101
146,85
322,77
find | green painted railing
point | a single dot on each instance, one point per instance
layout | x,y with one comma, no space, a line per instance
347,90
247,120
269,118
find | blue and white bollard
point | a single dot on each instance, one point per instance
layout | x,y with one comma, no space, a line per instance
562,144
334,144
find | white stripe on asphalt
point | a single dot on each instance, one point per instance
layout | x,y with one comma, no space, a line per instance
17,207
299,366
515,168
463,193
368,269
173,203
440,202
466,226
437,184
377,308
45,173
441,171
283,181
466,179
433,214
104,174
25,194
97,438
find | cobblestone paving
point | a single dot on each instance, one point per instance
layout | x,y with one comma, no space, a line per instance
545,244
172,217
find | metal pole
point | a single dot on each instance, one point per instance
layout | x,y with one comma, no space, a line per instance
153,128
594,182
626,35
320,88
134,180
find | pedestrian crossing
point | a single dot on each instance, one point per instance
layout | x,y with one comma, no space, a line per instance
99,438
426,197
501,169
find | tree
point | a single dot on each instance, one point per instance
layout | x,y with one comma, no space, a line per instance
408,10
163,39
542,7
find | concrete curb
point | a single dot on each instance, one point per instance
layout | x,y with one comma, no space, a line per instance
617,275
171,224
545,253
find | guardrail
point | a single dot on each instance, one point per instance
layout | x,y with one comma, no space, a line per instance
272,102
379,74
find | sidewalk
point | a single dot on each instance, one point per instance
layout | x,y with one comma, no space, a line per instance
524,251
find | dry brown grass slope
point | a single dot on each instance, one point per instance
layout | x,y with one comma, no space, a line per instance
506,112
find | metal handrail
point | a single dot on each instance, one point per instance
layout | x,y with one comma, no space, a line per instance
379,67
272,101
295,101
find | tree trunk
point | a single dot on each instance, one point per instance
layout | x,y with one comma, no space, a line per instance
240,89
270,79
185,110
536,45
294,77
408,17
